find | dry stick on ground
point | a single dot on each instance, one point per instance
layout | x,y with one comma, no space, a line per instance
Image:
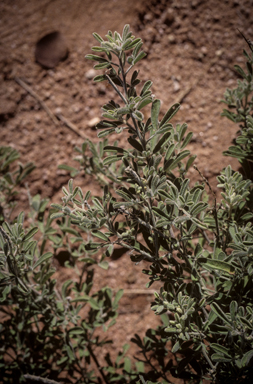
38,379
34,94
186,91
48,111
70,125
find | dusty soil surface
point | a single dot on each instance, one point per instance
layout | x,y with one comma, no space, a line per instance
192,47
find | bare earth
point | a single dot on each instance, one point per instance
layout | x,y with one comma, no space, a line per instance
192,47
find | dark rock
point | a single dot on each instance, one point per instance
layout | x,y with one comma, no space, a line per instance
51,49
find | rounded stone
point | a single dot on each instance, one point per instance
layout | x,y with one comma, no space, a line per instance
51,49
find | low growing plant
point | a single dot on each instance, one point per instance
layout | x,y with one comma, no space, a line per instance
240,102
200,251
50,331
10,180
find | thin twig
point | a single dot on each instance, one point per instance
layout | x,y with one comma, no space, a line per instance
100,369
37,97
186,92
53,117
70,125
40,379
215,210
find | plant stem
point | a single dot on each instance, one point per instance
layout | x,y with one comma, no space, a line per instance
100,369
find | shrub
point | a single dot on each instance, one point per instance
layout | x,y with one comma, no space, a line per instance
10,180
200,251
240,102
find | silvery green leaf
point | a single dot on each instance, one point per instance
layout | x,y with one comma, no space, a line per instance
182,130
94,304
70,186
104,48
187,140
146,87
217,357
30,234
76,331
42,259
127,43
164,139
180,157
106,132
100,235
112,148
246,359
97,203
109,250
132,44
111,159
220,349
125,32
190,162
102,65
169,152
160,212
99,78
240,71
140,56
144,102
138,115
220,265
57,215
197,208
155,109
117,36
137,48
246,323
97,37
171,330
169,114
123,194
65,286
103,264
56,206
135,144
219,312
96,58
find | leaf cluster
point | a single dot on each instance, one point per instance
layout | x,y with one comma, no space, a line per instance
199,251
47,329
240,103
11,177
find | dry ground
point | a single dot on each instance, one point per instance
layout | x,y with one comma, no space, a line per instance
192,47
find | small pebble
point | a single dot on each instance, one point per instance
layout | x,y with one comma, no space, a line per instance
94,121
90,74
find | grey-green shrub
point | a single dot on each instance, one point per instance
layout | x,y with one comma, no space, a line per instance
10,179
240,101
199,250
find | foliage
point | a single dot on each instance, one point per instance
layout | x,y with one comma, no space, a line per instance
44,330
93,165
200,251
240,103
10,179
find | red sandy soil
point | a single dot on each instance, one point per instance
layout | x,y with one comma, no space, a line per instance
191,46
